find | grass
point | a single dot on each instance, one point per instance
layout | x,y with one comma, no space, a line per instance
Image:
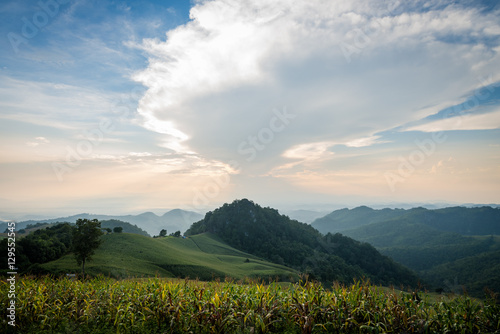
154,305
201,256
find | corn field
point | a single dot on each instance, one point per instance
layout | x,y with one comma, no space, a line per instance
105,305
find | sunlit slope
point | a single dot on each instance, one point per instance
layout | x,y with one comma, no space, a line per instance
202,256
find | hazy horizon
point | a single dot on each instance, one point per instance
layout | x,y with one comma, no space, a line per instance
286,208
116,106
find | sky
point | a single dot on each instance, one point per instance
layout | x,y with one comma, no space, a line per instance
118,107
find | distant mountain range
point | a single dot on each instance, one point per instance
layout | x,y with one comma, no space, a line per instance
173,220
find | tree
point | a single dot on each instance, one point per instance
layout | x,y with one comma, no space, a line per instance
163,233
86,239
177,234
118,229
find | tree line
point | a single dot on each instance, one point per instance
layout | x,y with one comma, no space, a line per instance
51,243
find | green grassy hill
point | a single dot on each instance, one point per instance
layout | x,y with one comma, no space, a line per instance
202,256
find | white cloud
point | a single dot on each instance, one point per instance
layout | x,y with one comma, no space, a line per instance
322,150
213,81
43,140
311,151
38,141
363,142
347,69
486,121
140,154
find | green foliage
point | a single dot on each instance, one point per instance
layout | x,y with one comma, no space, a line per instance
473,274
435,243
425,257
265,233
176,234
118,229
41,246
104,305
163,233
48,242
86,239
466,221
446,260
403,233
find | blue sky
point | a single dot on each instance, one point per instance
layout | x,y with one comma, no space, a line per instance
114,106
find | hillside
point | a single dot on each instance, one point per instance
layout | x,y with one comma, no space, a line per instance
267,234
435,243
202,256
345,219
466,221
401,232
472,273
127,227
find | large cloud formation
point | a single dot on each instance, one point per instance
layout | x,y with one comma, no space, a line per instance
345,72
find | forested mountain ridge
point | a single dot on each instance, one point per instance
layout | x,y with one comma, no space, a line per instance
346,219
266,233
438,244
466,221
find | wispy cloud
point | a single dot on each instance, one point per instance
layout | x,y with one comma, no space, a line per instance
51,104
488,121
38,141
363,142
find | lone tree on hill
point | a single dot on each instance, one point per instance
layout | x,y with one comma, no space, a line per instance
163,233
86,239
118,229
